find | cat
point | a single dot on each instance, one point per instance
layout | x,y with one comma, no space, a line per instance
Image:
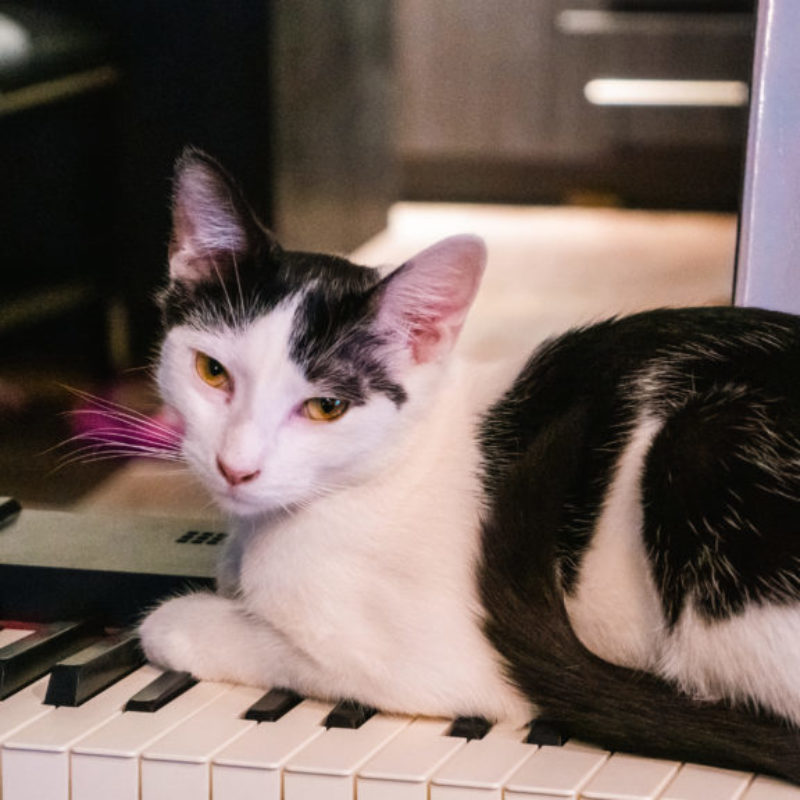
606,534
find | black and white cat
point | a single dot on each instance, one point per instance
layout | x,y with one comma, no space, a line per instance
608,534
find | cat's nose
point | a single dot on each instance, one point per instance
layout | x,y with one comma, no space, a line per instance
235,476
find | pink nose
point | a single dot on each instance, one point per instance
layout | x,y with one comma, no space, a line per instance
235,476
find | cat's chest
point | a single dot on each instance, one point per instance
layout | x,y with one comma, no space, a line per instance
370,573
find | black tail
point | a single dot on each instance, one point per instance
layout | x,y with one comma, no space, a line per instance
622,709
592,700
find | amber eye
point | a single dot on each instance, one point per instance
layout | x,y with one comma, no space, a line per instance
211,371
324,409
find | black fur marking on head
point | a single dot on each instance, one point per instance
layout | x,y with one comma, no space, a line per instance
228,271
334,340
245,290
336,343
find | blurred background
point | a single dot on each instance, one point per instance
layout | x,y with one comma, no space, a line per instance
597,144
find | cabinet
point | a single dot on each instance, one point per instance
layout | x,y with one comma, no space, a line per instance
294,97
532,100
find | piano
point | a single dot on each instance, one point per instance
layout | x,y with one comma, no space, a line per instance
82,716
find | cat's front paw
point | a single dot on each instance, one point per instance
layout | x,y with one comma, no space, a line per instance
176,634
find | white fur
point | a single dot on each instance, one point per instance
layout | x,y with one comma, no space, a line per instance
370,592
258,426
616,612
351,571
615,609
752,655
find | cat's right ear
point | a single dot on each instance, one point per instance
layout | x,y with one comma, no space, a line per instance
213,228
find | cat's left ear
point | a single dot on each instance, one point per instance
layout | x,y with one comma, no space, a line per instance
212,224
426,300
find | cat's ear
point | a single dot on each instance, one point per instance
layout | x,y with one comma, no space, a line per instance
426,300
212,225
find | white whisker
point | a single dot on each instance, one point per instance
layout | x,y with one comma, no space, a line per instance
97,400
132,447
117,453
120,413
112,425
224,289
239,288
125,433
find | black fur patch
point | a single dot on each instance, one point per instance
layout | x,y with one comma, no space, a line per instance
739,365
333,339
721,496
550,446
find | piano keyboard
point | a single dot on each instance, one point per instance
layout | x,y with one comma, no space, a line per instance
83,718
200,743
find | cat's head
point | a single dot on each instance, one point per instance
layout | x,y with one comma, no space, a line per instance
295,373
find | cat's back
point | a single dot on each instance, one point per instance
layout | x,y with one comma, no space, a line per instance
653,362
602,361
664,449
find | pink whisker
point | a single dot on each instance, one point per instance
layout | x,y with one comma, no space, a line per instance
105,429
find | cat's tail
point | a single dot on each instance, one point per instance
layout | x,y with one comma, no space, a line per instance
588,698
627,710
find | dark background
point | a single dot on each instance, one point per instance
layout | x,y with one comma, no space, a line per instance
327,112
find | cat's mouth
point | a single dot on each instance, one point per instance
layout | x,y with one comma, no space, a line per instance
233,501
240,502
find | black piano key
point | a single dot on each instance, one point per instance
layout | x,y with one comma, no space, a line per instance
470,727
545,732
82,675
9,509
273,705
159,692
349,714
27,659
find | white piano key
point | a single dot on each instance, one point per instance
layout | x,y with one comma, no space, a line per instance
696,782
481,768
105,763
764,788
626,777
179,763
26,705
586,747
22,708
327,767
403,768
36,757
251,767
554,772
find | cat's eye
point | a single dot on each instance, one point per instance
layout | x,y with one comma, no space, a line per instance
324,409
211,371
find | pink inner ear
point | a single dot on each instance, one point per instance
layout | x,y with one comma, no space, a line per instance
425,340
428,298
205,222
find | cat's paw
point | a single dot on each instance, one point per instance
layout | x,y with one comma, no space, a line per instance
179,634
